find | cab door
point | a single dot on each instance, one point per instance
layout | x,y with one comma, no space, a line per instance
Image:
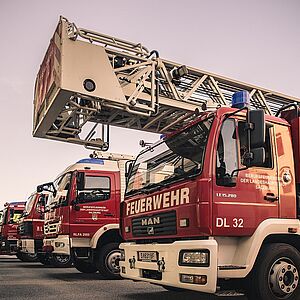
242,198
95,203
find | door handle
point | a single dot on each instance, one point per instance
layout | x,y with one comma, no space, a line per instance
271,197
108,215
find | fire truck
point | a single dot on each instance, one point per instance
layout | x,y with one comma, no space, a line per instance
30,229
82,214
8,228
214,204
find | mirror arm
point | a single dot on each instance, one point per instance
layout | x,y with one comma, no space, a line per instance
238,170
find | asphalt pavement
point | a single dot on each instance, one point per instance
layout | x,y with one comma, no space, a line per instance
22,281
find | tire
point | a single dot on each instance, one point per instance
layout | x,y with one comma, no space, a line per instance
85,267
19,255
107,261
61,261
26,257
276,274
44,259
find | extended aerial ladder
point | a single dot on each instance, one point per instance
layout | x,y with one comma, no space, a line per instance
88,79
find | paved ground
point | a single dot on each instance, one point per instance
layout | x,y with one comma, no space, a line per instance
22,281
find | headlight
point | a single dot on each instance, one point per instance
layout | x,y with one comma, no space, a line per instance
197,258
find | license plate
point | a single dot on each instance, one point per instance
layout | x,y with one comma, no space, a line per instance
150,256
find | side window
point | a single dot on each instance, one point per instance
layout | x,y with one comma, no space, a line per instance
243,144
93,188
227,160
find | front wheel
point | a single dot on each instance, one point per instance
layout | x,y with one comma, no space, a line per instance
276,274
61,261
84,267
107,261
27,257
44,259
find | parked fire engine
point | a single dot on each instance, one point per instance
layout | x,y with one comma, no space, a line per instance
8,227
30,229
82,217
214,202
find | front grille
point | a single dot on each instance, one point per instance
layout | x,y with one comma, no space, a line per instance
50,228
155,225
25,229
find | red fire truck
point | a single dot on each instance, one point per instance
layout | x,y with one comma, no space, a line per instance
214,203
30,229
82,214
8,228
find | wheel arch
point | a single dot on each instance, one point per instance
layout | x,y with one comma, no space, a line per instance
106,234
248,249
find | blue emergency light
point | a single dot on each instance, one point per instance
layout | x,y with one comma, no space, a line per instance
240,99
91,161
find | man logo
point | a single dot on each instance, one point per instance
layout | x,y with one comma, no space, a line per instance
150,230
151,221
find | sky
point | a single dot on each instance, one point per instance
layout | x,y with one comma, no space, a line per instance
255,41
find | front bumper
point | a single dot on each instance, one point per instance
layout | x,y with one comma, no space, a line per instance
169,254
26,246
59,245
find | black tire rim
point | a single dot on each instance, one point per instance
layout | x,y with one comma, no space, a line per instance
62,259
112,261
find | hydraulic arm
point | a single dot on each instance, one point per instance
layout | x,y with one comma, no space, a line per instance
88,79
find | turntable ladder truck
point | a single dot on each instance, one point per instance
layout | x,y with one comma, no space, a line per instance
213,204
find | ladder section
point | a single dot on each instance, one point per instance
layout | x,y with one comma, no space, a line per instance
91,80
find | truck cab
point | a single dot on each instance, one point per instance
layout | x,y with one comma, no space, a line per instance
82,214
203,206
30,228
11,215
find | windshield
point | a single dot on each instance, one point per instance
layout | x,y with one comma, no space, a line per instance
29,204
61,185
176,157
15,215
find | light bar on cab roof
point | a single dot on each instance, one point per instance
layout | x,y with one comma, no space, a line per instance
91,161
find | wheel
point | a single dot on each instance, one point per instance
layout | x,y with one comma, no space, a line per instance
84,267
30,257
19,255
61,261
107,261
27,257
276,274
44,259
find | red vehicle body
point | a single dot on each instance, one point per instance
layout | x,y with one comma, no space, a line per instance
82,215
8,227
30,228
214,219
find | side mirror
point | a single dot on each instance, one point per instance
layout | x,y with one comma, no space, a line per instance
256,119
80,181
256,138
47,187
257,159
